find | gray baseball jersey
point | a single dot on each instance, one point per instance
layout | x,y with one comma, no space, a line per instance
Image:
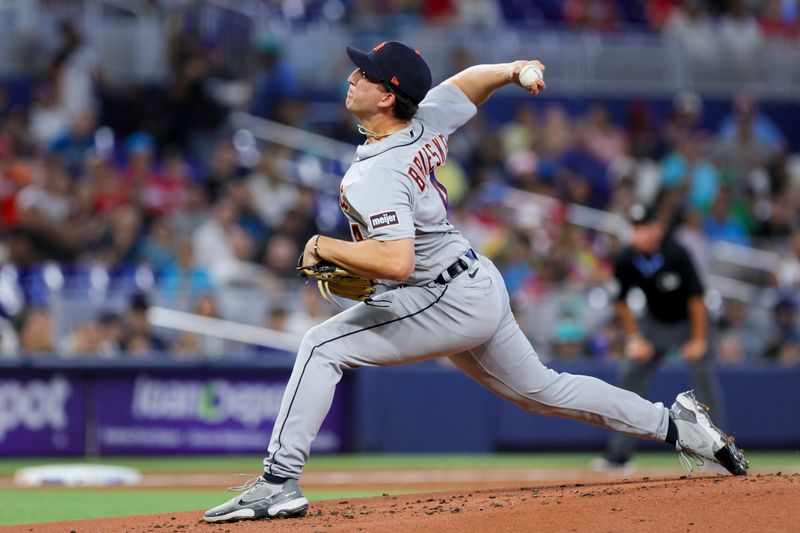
390,192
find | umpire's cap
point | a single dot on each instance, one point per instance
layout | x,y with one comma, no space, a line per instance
639,215
399,67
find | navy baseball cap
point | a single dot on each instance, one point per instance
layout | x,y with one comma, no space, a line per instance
639,215
401,68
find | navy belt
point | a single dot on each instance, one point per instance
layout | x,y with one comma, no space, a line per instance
456,268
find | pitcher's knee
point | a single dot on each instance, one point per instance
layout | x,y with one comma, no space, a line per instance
541,385
310,339
545,396
546,402
319,343
315,337
530,405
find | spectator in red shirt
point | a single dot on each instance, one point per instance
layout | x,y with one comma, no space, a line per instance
107,189
592,15
438,10
167,191
15,176
659,12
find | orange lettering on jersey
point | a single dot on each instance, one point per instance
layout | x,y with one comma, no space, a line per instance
440,143
432,155
342,201
418,179
355,230
378,47
427,159
433,158
418,163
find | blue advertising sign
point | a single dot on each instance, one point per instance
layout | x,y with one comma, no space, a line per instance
192,413
41,415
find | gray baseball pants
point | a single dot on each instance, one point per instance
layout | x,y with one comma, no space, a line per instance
468,320
637,376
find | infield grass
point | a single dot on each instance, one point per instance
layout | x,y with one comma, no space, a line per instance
28,506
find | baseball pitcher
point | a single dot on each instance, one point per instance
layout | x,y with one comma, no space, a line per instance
446,300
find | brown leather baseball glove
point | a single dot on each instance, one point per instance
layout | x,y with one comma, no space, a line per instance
335,280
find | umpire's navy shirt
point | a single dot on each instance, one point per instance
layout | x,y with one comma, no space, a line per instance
668,278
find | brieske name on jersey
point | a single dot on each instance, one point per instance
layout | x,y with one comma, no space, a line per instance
433,154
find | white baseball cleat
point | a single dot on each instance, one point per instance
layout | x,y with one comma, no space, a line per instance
261,499
700,439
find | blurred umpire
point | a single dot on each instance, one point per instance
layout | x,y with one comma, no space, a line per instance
676,317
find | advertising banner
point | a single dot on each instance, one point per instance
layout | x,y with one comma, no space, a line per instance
192,413
41,415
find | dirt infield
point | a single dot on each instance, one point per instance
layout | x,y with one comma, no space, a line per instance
764,502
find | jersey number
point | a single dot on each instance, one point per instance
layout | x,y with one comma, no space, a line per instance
440,188
356,231
342,201
438,185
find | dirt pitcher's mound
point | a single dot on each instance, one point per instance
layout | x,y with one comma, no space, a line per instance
766,502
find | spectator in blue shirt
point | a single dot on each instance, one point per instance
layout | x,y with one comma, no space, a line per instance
183,282
275,82
764,129
76,143
688,169
720,225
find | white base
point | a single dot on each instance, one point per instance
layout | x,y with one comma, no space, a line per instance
77,475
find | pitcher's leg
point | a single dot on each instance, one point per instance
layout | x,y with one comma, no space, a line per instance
408,325
317,381
508,366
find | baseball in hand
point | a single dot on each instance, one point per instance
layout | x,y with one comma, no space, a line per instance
529,75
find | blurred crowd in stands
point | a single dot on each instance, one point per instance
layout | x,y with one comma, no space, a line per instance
772,18
143,192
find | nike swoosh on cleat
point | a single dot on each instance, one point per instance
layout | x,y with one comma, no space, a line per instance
242,501
473,274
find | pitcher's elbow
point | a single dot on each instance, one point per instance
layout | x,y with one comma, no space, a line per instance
403,271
